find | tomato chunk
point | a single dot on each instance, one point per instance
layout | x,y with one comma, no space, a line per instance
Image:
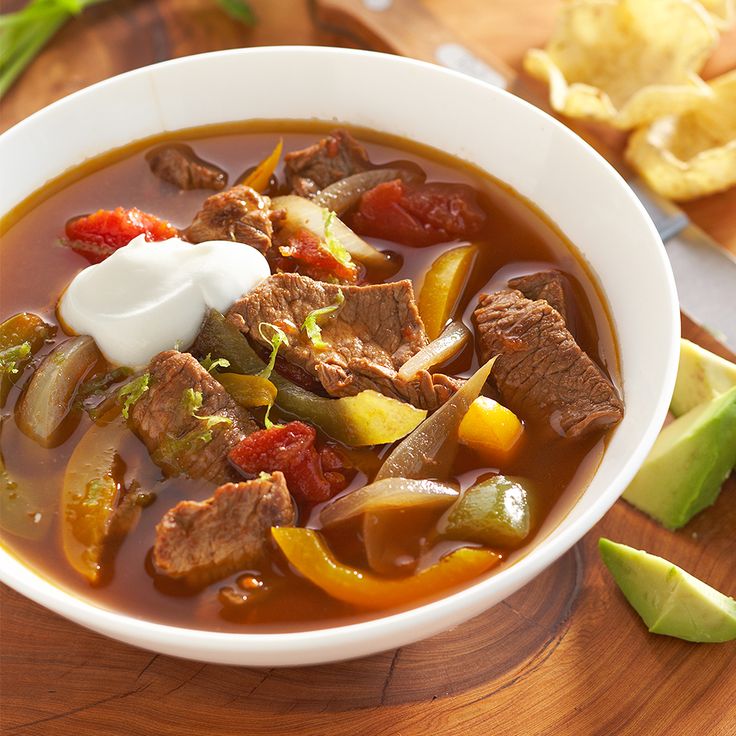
419,215
100,234
304,253
311,475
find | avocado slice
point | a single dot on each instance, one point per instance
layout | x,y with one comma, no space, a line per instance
669,600
688,464
701,376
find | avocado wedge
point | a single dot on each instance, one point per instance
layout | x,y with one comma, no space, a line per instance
688,464
701,376
669,600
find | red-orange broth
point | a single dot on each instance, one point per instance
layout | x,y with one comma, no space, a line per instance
36,267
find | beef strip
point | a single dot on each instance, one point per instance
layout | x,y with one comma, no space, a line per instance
325,162
177,164
541,371
547,285
203,541
373,333
239,214
178,440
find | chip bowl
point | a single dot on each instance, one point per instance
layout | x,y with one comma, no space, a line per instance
518,144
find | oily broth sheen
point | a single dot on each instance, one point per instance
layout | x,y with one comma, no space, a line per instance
35,268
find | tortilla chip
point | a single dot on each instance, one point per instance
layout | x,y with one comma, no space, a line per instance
692,154
723,12
626,62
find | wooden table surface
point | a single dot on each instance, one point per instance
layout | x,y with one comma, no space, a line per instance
565,655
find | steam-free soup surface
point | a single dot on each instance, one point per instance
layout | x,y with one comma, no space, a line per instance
37,267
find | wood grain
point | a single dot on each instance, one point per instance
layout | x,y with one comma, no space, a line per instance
565,655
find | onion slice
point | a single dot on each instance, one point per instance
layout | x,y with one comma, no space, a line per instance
301,212
429,450
387,494
450,342
344,193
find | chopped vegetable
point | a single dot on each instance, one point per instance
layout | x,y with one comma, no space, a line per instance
452,340
211,366
290,449
47,406
419,215
430,449
494,512
303,214
132,391
369,418
311,323
306,253
100,234
443,286
21,337
345,193
388,494
669,600
490,429
260,177
307,552
249,391
278,338
92,515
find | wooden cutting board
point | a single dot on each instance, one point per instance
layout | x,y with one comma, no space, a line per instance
565,655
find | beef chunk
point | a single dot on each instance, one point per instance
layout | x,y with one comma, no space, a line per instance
177,437
207,540
372,334
547,285
239,214
177,164
327,161
541,371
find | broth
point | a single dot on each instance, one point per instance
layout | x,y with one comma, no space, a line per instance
36,268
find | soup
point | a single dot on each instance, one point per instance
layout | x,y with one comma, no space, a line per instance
254,391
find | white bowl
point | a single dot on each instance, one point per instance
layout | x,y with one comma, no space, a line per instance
527,149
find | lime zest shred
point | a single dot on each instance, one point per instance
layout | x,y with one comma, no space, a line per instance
311,323
132,391
212,365
336,249
277,339
10,358
192,401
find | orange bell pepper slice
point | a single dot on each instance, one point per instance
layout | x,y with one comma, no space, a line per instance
306,551
443,286
490,429
260,176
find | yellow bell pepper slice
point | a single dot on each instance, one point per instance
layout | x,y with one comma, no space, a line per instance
490,429
306,551
248,391
260,176
443,286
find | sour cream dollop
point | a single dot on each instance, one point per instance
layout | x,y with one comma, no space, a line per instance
149,297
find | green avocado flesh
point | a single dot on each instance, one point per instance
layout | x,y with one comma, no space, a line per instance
688,464
669,600
701,376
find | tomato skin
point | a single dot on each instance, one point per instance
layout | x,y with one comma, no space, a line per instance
100,234
291,448
304,253
419,215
